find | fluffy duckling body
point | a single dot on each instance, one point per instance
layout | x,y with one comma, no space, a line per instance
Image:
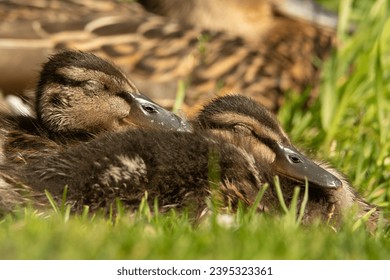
158,51
79,96
238,148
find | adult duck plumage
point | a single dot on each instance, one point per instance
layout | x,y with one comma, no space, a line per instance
159,52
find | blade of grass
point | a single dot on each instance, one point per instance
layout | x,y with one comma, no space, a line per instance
294,205
344,15
260,194
280,195
63,200
329,98
180,95
362,221
380,94
144,209
52,202
304,203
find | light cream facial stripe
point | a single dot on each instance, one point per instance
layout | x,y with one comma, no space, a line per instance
83,74
230,118
251,144
80,74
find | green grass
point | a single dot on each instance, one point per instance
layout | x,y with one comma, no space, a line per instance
348,125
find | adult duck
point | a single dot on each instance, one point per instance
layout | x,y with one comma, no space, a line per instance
278,54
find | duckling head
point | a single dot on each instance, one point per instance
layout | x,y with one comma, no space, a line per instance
247,124
80,93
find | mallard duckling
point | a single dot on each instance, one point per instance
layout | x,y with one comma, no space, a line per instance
79,92
79,96
159,52
237,140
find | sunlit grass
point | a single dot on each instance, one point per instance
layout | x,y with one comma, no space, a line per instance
172,236
349,123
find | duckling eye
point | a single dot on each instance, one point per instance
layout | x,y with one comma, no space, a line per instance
94,85
294,159
149,109
242,129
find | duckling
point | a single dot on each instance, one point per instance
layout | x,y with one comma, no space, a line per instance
79,96
159,52
79,92
238,147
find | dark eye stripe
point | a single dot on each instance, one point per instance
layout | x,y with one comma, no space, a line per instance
124,95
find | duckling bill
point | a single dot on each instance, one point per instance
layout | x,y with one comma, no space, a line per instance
291,163
147,114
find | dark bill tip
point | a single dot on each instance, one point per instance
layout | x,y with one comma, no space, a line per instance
292,164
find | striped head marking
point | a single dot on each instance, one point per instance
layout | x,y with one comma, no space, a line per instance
243,122
79,92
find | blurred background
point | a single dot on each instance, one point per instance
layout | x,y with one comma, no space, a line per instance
179,53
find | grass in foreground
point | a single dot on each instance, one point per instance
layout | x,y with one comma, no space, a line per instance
348,125
33,236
